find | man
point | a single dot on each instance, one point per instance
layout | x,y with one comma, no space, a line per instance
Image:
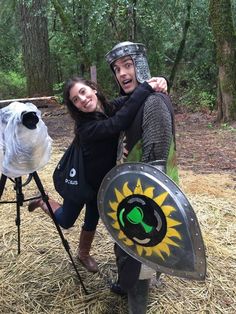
150,138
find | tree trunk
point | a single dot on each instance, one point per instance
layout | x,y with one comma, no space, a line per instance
224,33
133,22
36,54
180,51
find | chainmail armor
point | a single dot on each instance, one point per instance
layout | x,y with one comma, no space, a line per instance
157,129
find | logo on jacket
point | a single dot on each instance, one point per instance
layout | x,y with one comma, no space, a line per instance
72,172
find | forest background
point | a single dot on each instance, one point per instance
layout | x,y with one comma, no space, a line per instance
192,43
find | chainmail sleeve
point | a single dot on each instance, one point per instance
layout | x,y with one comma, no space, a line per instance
157,129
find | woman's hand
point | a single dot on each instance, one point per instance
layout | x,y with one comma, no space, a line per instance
159,84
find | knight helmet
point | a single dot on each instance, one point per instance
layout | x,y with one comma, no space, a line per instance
137,52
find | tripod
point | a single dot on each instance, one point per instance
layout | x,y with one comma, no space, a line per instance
19,202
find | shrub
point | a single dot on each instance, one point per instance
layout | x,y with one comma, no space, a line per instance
12,85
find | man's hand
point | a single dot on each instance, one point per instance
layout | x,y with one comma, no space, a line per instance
159,84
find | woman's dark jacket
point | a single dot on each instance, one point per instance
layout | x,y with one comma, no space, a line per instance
99,133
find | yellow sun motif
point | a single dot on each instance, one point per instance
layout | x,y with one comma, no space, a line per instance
171,233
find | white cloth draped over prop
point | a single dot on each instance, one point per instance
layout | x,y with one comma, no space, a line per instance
23,150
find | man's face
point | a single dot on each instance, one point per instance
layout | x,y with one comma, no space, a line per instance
125,74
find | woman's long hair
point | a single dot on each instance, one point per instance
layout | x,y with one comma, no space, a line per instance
75,113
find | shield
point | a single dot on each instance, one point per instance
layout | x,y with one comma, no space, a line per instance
151,219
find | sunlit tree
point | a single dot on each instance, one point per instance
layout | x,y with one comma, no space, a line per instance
225,38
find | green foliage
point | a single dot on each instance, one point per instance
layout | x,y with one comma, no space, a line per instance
90,28
58,92
12,85
206,100
197,100
209,126
228,127
10,48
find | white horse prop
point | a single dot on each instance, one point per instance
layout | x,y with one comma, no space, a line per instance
25,145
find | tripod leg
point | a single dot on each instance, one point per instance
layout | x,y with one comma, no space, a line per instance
64,241
19,202
2,184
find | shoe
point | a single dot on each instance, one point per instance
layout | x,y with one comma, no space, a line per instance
35,204
39,203
116,288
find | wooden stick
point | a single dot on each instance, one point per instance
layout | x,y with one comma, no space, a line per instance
36,99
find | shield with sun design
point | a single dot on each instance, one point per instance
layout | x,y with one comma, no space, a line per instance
150,218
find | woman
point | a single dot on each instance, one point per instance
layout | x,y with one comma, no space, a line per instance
97,127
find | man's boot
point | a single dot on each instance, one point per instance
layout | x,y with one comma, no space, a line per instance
86,239
116,288
138,297
39,203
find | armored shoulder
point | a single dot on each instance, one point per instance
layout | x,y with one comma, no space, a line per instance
157,129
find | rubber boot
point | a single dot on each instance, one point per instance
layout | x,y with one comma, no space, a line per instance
86,239
39,203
